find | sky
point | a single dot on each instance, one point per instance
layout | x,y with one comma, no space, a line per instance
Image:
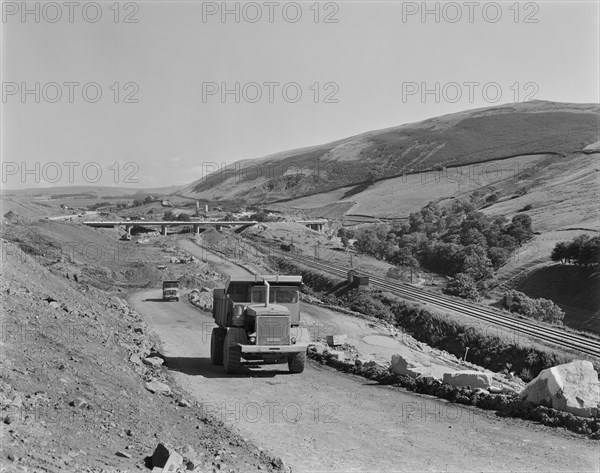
152,94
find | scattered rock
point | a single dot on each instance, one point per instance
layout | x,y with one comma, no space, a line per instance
475,379
135,359
166,458
571,387
158,387
153,361
191,459
123,454
278,463
161,455
183,403
319,348
79,402
401,365
337,354
336,340
370,364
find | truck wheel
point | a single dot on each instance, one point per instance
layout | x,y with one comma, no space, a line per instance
296,362
232,355
216,347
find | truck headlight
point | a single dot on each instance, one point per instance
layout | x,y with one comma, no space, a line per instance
293,340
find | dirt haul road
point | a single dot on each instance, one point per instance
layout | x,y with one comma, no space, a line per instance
322,420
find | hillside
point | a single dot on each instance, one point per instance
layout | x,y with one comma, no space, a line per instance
457,139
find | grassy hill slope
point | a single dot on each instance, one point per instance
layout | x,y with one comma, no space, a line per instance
457,139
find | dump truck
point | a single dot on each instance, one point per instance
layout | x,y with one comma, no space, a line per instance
171,291
258,320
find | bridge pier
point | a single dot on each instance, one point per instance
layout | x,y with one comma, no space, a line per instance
128,230
197,229
163,230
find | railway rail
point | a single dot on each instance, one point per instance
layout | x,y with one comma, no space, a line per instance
546,333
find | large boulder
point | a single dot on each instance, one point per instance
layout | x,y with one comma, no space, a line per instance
400,365
572,387
166,458
475,379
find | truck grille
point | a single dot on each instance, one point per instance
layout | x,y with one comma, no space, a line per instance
273,330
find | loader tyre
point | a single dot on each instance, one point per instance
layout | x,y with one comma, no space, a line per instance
232,355
216,347
296,362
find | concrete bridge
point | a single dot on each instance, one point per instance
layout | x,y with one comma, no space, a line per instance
196,224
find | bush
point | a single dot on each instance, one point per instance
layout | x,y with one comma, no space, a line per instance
400,274
462,286
362,301
538,309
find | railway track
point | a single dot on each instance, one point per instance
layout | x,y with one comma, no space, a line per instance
490,316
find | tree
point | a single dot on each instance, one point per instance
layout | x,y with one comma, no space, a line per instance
498,256
560,252
463,286
520,228
476,263
373,241
589,253
262,216
345,235
404,257
183,217
169,216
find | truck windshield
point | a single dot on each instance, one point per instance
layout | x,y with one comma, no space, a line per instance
276,295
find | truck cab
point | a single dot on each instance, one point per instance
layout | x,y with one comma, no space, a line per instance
171,291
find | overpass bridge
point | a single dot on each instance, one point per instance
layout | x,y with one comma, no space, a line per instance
196,224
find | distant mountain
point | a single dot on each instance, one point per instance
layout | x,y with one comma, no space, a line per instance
91,189
467,137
